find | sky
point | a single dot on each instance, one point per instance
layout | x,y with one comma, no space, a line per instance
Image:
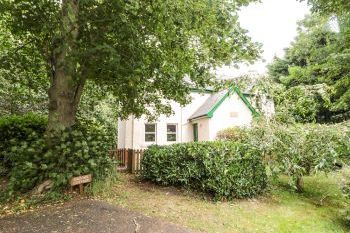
272,23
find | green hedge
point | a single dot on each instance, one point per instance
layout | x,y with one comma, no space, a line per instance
30,160
15,129
225,170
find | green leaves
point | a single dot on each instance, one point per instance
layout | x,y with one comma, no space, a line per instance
303,104
314,73
297,150
23,80
140,51
29,160
330,7
224,169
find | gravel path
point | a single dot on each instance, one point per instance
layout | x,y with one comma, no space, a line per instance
86,216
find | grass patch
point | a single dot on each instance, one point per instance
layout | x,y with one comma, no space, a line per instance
104,189
282,210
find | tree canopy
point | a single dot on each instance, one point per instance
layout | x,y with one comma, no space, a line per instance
143,52
315,73
330,7
22,88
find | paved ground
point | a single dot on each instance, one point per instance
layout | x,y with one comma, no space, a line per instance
86,216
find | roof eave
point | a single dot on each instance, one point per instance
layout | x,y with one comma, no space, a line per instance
204,90
199,117
241,95
232,89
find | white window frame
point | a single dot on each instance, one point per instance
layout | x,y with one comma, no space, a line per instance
167,133
147,133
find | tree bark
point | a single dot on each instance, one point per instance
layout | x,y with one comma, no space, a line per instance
299,183
66,82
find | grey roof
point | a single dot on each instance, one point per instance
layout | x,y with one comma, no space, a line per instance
208,105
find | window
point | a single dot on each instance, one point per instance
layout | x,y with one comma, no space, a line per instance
171,132
150,132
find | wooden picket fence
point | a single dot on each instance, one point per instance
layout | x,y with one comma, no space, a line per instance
121,156
136,156
127,159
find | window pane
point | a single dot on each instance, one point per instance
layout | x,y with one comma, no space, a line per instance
150,128
171,128
150,137
171,137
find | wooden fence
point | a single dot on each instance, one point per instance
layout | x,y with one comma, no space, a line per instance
127,159
136,156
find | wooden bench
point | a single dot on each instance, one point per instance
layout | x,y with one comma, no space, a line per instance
80,180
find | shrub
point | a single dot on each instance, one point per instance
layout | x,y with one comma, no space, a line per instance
299,150
16,129
235,134
224,169
77,151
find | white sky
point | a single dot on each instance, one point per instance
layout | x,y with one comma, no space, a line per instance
272,23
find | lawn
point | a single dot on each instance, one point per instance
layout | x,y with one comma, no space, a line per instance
280,210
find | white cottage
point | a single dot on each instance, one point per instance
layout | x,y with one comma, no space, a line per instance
201,120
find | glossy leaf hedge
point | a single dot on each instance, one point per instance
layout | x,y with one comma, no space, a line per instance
18,128
30,159
225,170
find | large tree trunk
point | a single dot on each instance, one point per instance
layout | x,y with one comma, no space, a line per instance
64,97
66,82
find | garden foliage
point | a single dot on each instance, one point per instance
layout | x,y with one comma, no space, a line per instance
31,157
314,72
141,52
345,188
296,150
224,169
13,130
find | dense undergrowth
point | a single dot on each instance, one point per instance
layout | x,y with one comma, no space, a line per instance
28,156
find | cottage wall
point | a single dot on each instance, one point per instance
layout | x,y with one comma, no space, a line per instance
232,112
125,139
203,129
131,132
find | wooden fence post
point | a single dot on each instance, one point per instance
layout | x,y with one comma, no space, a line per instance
133,161
128,160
